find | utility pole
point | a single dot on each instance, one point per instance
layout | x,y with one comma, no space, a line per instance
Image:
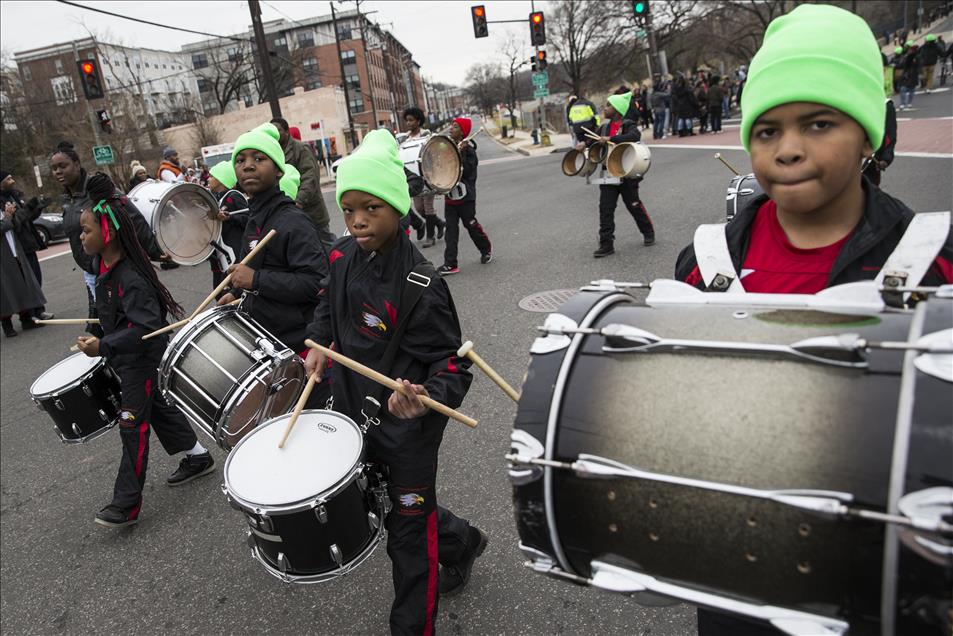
89,107
367,63
653,45
347,94
263,57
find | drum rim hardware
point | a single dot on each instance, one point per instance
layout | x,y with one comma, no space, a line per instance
160,202
61,390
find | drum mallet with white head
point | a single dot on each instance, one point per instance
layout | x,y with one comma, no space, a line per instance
730,167
466,351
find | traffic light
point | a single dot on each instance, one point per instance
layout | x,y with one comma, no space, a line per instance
90,78
537,28
541,60
478,13
641,10
532,63
105,123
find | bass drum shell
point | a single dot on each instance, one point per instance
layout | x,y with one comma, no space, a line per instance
183,217
629,160
575,164
746,420
436,159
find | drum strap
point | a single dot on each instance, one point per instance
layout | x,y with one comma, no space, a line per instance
714,259
915,253
418,280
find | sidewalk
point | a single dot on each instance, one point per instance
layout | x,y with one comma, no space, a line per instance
522,142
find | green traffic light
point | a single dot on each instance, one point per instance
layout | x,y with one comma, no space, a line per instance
639,8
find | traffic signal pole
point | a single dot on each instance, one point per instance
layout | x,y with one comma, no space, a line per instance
543,135
264,58
89,107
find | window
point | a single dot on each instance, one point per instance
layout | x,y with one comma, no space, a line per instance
344,33
233,54
306,39
199,60
63,90
59,66
310,66
353,81
204,85
347,55
281,42
248,101
27,74
357,105
312,84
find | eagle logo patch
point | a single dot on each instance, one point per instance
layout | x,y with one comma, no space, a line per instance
374,322
411,499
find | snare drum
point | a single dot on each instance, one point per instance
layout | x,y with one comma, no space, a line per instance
81,395
436,159
227,374
183,216
690,453
314,510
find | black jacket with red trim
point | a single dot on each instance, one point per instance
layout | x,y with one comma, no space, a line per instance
128,307
876,236
628,132
358,312
288,270
470,161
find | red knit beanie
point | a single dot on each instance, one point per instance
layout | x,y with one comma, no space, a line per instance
465,125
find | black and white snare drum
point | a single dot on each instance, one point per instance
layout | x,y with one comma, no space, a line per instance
227,374
742,189
81,395
782,464
314,510
183,216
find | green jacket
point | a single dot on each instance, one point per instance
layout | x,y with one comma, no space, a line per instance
309,192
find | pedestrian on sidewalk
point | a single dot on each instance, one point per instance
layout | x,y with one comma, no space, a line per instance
715,99
909,75
930,54
619,129
139,175
25,212
20,292
433,226
460,203
684,106
657,100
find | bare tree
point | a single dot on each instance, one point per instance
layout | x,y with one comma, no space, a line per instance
578,29
485,86
206,132
227,74
513,59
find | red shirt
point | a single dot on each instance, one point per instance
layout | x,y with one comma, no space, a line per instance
773,265
614,128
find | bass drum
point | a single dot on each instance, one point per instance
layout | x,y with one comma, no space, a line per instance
699,459
436,160
183,216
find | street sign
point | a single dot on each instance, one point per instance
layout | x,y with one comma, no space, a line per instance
540,92
103,155
541,78
639,34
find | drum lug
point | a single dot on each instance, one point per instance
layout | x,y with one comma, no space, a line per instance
102,414
265,524
38,405
336,554
283,563
250,540
373,521
58,404
87,390
77,430
528,447
362,483
321,513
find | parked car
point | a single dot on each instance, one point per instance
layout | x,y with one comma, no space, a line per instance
50,226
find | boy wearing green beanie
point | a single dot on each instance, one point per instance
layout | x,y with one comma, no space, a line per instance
619,128
283,279
386,307
222,182
820,222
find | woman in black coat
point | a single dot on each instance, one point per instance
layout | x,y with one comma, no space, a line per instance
685,106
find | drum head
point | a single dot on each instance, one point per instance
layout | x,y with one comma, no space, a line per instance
64,373
183,218
440,163
628,160
322,450
253,407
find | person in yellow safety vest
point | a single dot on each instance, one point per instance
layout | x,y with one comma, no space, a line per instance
581,113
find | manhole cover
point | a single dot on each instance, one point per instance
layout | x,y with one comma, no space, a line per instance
547,301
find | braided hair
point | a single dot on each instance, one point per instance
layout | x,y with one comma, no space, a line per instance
102,190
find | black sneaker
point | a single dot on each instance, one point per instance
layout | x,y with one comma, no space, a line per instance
115,517
649,239
421,231
8,329
604,250
191,467
486,258
429,242
45,315
441,228
447,270
453,578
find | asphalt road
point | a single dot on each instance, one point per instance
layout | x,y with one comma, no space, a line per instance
185,567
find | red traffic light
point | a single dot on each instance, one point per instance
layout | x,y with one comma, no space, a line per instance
478,11
88,67
478,15
537,28
536,18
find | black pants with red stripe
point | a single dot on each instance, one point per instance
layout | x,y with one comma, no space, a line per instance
464,211
609,196
144,407
421,534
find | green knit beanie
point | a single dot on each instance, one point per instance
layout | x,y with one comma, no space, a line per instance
821,54
898,50
931,38
224,171
263,139
290,182
621,102
376,168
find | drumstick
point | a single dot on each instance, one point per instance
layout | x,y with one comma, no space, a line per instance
467,351
393,385
228,279
298,408
730,167
181,323
67,321
590,133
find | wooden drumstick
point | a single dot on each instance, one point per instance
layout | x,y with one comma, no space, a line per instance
228,279
589,133
730,167
467,351
391,384
67,321
181,323
298,408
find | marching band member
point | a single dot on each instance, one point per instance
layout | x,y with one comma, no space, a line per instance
131,302
423,204
222,183
372,271
821,223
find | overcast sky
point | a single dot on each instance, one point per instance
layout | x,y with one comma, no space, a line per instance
438,33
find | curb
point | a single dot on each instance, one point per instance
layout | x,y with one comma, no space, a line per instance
504,146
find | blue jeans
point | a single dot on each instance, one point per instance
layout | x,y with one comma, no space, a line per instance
685,123
906,95
658,124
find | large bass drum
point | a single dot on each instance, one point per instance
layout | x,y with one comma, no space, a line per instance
692,453
183,216
435,160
